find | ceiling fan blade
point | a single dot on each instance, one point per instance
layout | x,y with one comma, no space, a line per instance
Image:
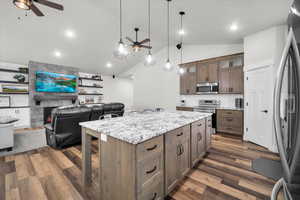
50,4
36,10
145,41
129,39
144,46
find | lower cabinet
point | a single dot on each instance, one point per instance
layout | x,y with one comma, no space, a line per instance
198,141
177,156
230,121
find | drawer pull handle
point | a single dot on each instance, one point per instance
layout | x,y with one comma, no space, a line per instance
199,124
152,148
180,134
154,196
152,170
229,119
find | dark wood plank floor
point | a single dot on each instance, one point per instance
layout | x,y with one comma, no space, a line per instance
225,173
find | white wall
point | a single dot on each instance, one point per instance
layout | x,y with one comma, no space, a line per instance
154,87
262,50
264,47
118,90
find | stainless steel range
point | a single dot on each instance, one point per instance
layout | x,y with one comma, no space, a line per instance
209,106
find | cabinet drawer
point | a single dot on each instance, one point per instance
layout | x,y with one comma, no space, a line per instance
150,148
200,125
231,121
232,130
176,135
153,189
148,168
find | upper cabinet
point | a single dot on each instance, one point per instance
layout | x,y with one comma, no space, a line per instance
231,76
207,72
188,80
225,70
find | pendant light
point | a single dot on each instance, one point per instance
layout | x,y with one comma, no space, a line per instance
149,60
121,50
168,66
181,70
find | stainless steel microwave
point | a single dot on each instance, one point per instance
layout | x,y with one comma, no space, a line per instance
207,88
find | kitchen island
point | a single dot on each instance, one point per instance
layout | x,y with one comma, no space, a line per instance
145,155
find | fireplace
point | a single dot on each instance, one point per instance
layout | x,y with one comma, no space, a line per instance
47,114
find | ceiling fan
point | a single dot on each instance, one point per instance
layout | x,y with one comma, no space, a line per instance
29,5
136,45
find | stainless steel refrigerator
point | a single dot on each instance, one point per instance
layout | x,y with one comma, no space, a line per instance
287,110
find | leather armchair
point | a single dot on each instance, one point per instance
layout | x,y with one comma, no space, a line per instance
96,112
115,109
64,130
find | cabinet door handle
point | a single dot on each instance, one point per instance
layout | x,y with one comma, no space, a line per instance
178,150
199,124
264,111
180,134
199,136
152,148
182,149
151,171
154,196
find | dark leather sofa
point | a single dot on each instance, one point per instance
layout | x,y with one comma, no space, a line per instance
65,131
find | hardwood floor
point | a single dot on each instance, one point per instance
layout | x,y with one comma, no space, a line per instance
225,173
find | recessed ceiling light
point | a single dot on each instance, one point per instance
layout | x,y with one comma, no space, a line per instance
70,33
108,65
234,27
57,54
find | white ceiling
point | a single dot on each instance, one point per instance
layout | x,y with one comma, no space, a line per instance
96,25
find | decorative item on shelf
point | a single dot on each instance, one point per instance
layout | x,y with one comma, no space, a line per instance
23,70
20,78
82,91
97,77
89,100
4,101
14,88
168,66
96,85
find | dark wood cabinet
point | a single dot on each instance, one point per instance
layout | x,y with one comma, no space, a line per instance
188,80
183,108
230,121
177,155
207,72
198,140
226,70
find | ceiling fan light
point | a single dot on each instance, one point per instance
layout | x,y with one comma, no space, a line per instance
22,4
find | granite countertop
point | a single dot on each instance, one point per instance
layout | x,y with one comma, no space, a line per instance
136,128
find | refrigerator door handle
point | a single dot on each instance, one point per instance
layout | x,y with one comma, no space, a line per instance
291,42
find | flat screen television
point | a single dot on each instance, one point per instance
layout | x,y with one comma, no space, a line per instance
55,83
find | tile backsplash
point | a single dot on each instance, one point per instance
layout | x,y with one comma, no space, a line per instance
226,100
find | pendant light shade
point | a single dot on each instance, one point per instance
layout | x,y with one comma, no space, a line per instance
149,59
180,69
168,66
121,50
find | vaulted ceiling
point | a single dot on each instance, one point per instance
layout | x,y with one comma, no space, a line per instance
95,24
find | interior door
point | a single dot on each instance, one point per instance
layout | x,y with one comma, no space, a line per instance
258,109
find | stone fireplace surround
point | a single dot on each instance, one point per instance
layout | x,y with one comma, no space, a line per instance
39,101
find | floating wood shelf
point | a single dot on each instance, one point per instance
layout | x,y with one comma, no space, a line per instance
90,94
91,79
9,93
14,82
90,86
12,71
